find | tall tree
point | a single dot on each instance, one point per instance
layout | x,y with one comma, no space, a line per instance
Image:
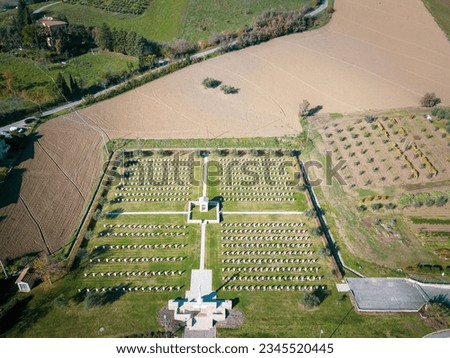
23,16
62,85
104,38
29,35
8,75
74,88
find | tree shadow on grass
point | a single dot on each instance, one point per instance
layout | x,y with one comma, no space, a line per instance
7,289
93,299
220,199
10,318
21,315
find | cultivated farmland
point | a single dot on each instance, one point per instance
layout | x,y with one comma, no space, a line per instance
391,190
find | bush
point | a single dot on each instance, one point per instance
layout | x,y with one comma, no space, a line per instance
441,201
324,251
93,299
315,298
3,173
429,100
435,111
369,118
60,301
209,82
376,206
310,300
229,89
441,114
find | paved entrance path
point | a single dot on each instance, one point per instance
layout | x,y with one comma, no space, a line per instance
202,246
394,294
205,175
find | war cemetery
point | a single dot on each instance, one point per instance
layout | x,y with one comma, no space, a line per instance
234,224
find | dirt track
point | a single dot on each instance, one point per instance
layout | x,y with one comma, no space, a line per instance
375,54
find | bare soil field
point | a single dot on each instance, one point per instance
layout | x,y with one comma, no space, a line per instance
373,55
54,181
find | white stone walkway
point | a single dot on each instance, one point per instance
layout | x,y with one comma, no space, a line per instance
202,246
205,175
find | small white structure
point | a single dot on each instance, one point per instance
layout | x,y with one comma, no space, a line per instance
200,309
25,280
4,148
203,202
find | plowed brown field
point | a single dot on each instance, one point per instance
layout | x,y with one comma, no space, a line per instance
54,183
375,54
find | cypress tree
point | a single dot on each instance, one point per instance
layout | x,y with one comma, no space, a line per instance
74,88
62,85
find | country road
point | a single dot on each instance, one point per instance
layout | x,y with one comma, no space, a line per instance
68,105
43,8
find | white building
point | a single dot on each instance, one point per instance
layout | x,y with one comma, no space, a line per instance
25,280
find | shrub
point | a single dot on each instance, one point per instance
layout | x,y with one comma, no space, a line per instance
209,82
441,201
429,100
310,300
60,301
324,251
369,118
376,206
88,235
181,47
315,298
93,299
97,215
434,111
441,114
229,89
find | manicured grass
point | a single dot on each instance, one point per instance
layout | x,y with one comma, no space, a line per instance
168,20
440,9
198,215
283,316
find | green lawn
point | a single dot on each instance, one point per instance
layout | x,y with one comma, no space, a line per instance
440,9
168,20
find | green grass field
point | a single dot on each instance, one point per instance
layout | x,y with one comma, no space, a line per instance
440,9
168,20
34,83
